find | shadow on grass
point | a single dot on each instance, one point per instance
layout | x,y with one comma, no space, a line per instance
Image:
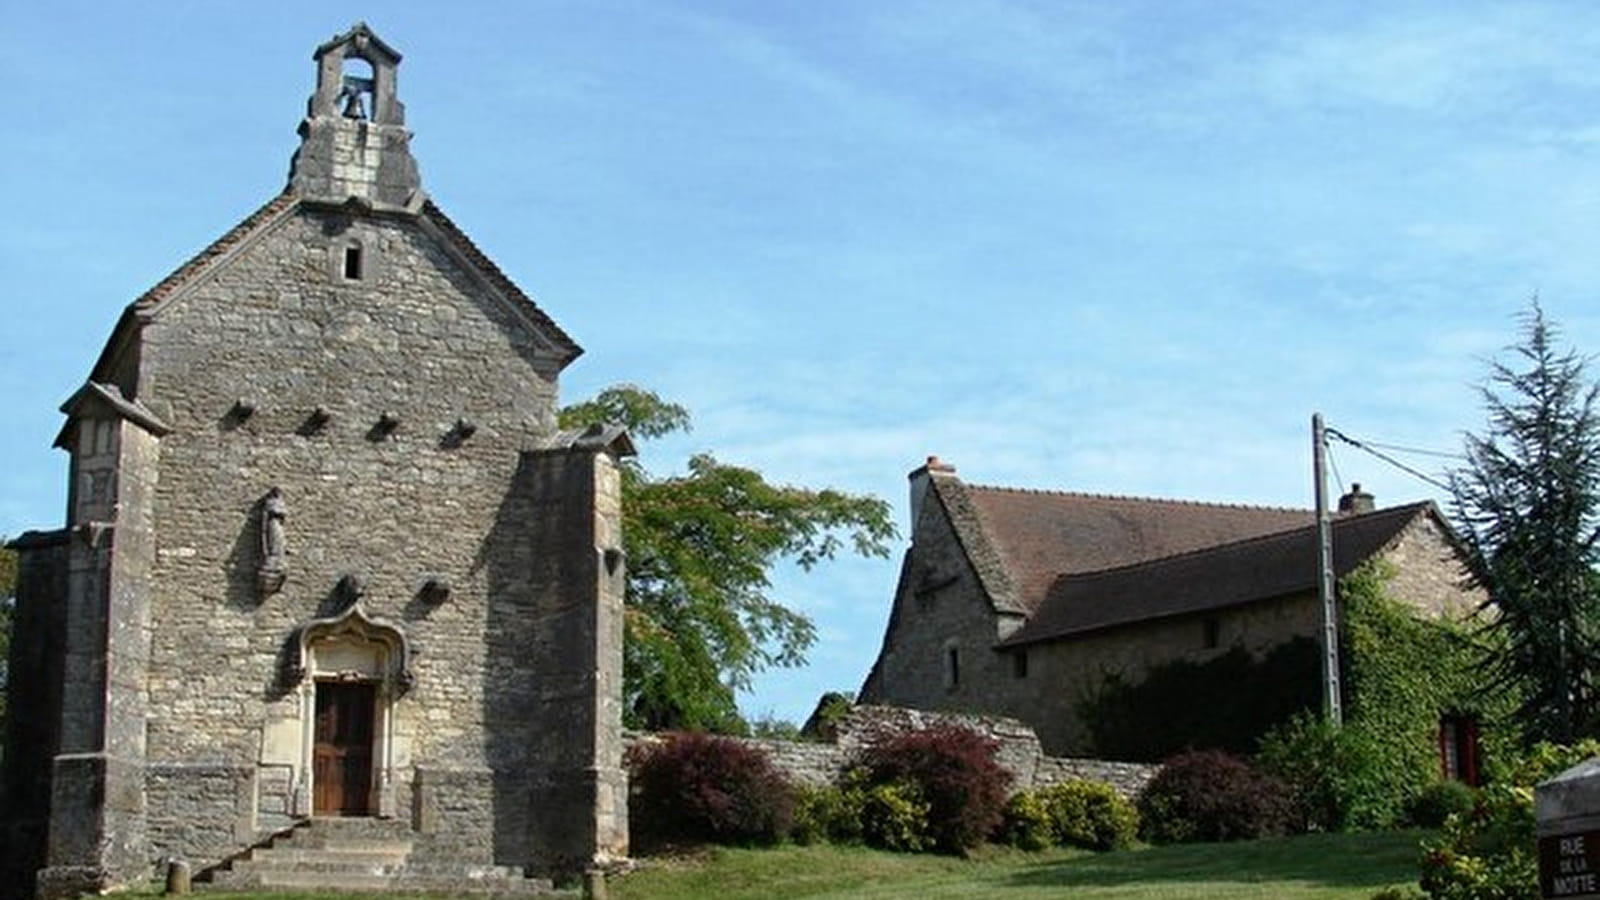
1332,860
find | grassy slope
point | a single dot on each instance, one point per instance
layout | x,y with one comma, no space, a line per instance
1314,867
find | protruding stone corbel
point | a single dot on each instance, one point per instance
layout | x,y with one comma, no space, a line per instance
384,427
92,532
351,587
435,589
315,421
458,434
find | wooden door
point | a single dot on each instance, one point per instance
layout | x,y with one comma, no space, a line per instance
341,757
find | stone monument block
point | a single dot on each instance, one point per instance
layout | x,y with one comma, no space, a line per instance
1567,809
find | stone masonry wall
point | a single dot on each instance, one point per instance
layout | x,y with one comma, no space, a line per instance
822,762
416,338
940,608
1427,574
1062,674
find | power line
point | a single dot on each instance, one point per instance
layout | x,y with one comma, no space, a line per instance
1388,459
1333,463
1398,448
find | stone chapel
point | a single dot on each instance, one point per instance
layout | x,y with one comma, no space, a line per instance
327,557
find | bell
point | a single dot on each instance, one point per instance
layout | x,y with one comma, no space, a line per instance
353,108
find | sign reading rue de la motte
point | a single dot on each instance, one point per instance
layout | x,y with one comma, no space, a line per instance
1569,865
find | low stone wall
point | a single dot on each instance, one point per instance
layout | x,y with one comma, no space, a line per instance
820,762
1128,778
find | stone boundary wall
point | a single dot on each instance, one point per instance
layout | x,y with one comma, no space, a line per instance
818,762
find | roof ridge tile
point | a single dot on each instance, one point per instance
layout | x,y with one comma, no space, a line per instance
1171,501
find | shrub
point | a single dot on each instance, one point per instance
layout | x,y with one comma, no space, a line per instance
893,815
1439,801
1338,778
832,709
1025,822
1208,795
1488,852
703,788
826,813
1091,815
950,769
1087,814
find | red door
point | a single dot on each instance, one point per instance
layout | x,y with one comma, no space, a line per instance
341,758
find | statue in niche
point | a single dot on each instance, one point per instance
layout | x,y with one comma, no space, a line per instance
273,513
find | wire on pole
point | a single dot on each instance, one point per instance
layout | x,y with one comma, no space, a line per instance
1368,448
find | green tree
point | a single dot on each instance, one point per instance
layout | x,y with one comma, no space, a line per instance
8,597
701,546
1526,502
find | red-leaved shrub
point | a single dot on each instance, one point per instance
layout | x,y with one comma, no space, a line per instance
953,770
1209,795
700,788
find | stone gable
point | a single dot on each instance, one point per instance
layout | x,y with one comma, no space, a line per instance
327,553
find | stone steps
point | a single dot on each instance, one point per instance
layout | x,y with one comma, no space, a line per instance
373,855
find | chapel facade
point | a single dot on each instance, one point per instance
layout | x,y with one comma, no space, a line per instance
327,555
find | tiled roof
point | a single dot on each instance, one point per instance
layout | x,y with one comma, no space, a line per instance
981,552
1258,568
107,396
1040,535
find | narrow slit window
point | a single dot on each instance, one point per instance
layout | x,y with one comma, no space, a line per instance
952,667
1210,634
352,262
1019,664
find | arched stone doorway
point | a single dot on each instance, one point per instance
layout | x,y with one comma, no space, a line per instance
352,669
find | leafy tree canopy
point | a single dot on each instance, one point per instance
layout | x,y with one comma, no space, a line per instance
8,592
701,620
1527,502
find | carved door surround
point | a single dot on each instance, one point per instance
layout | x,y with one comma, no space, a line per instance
350,670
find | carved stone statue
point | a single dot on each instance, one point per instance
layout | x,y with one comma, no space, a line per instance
273,513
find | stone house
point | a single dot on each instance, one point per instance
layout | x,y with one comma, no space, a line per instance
326,553
1025,603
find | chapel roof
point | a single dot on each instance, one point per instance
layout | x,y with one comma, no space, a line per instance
1257,568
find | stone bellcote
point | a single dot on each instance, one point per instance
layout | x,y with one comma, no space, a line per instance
354,146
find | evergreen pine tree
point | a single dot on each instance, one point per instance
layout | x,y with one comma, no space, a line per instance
1526,502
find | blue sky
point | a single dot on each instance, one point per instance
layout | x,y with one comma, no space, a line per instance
1114,247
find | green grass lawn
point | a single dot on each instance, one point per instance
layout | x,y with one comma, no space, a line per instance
1313,867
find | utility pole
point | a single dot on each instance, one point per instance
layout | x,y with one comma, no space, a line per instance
1331,705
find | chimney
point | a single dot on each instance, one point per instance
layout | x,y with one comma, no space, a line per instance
919,486
1356,502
